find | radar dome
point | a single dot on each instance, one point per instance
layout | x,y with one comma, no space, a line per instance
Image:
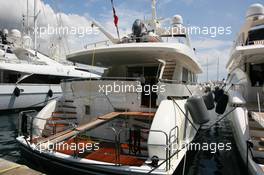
14,33
5,32
177,19
255,10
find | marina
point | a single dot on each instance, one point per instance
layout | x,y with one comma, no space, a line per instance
138,102
8,167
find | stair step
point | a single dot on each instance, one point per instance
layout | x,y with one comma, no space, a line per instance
257,128
167,73
169,68
66,110
258,151
67,106
48,131
61,122
64,115
167,77
256,133
258,148
258,138
254,124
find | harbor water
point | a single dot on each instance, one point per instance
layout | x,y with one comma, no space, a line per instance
197,162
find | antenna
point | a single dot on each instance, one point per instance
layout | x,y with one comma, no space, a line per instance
217,68
207,69
35,26
154,14
27,27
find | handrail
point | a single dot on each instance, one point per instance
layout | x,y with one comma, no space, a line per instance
156,131
22,122
177,82
17,61
172,142
101,78
105,42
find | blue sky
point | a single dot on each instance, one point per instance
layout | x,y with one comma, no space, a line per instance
195,13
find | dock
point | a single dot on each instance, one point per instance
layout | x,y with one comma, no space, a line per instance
11,168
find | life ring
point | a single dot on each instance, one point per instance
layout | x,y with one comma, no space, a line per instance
16,92
50,93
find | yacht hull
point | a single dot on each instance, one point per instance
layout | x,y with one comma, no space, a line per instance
240,132
31,95
57,165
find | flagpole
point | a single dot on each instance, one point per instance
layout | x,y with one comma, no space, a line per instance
115,19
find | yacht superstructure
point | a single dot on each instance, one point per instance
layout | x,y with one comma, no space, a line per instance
245,88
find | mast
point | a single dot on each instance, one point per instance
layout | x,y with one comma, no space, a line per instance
27,27
35,27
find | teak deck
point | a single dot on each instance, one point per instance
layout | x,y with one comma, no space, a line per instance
108,155
100,120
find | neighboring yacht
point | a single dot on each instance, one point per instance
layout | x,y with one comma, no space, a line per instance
245,88
29,80
138,118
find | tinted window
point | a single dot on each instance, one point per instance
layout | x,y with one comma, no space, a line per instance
255,35
44,79
257,74
184,75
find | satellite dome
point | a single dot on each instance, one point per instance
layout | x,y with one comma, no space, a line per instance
255,10
177,19
14,33
5,32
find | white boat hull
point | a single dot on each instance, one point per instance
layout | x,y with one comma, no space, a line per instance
240,131
31,95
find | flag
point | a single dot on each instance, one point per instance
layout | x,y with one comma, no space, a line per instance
115,16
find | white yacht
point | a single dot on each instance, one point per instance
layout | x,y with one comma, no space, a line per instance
245,86
138,118
29,80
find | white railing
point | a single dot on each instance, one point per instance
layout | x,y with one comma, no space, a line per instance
96,44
